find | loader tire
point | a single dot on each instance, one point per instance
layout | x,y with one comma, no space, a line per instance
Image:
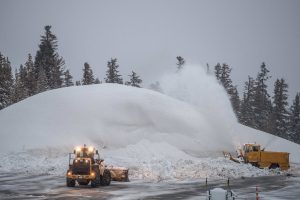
274,166
70,182
97,181
105,178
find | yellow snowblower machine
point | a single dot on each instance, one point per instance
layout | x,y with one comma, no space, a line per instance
253,154
85,166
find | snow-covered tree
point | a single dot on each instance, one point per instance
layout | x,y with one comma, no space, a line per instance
97,81
42,84
77,83
280,108
247,113
88,76
48,58
112,73
6,82
222,74
21,90
262,106
68,79
135,80
31,80
294,120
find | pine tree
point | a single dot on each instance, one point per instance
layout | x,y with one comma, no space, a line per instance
247,113
294,120
97,81
223,75
88,76
42,84
31,80
235,101
20,89
262,106
6,82
112,73
77,83
48,58
280,111
180,63
135,80
68,79
218,71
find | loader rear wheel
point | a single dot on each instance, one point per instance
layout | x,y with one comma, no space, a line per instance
105,178
274,166
70,182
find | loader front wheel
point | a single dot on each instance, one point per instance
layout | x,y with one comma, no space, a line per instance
70,182
105,178
96,182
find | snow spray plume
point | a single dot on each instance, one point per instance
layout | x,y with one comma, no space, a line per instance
195,86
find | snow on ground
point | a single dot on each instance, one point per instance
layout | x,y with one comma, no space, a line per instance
178,135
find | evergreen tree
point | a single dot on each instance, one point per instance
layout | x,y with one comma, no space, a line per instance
20,89
135,80
294,120
88,76
262,106
180,62
97,81
247,113
235,101
31,80
223,75
112,73
68,79
49,60
6,82
279,111
42,84
218,71
77,83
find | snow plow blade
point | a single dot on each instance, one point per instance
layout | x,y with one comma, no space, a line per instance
119,174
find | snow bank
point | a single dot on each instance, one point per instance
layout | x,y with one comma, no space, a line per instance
178,134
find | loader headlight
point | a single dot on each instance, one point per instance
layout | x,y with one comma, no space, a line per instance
69,173
93,174
91,149
78,149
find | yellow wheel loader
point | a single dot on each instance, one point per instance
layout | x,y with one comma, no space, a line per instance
85,166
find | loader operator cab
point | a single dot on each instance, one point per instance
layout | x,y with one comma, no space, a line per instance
84,153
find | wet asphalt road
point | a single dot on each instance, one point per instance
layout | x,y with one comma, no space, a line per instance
24,186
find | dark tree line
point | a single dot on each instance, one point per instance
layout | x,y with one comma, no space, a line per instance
47,71
257,109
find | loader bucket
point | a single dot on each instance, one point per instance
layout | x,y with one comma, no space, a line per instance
119,174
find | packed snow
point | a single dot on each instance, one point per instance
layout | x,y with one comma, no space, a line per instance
178,134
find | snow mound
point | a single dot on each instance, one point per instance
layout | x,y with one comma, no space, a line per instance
179,134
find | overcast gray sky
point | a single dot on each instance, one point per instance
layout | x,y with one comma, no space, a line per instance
146,36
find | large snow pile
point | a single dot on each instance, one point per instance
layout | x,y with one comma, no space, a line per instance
178,134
